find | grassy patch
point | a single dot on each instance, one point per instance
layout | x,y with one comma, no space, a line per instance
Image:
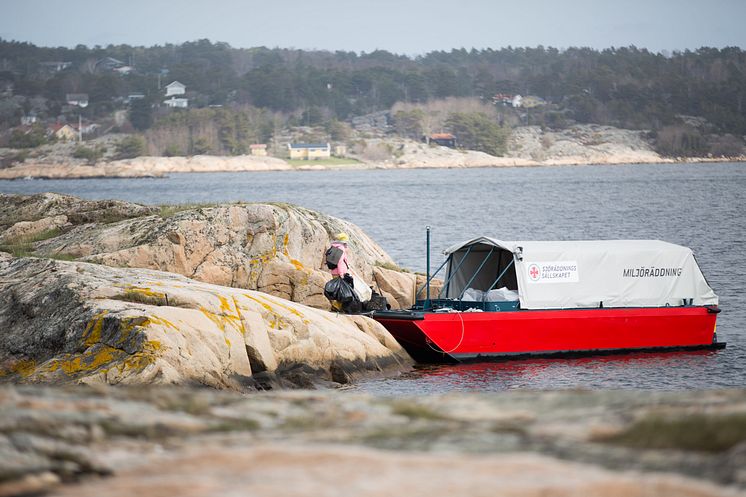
23,246
46,235
183,402
142,297
27,250
714,433
167,211
62,257
331,161
303,423
390,266
18,249
236,425
110,217
403,437
416,411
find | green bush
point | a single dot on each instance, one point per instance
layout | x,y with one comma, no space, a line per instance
681,141
27,139
476,131
726,146
201,147
90,154
173,151
410,123
15,158
130,147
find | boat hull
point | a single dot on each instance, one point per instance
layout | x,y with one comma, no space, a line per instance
460,336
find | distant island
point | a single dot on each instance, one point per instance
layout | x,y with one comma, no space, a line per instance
203,106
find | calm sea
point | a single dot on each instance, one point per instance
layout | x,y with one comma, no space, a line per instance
702,206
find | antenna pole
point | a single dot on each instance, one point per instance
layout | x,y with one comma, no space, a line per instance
427,271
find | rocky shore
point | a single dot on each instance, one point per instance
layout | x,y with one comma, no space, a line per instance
528,146
227,296
272,248
152,441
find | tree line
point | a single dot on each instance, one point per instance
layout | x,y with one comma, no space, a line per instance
626,87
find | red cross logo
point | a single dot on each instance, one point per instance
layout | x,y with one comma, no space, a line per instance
533,272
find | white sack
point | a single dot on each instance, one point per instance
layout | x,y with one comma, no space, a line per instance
501,295
361,288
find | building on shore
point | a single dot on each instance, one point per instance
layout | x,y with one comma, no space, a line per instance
175,88
258,149
340,150
443,139
172,90
176,103
79,99
64,132
309,151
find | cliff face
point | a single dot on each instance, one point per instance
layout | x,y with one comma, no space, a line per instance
66,322
581,144
273,248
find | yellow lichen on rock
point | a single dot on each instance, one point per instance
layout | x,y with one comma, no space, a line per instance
213,335
272,318
92,333
87,362
23,368
288,308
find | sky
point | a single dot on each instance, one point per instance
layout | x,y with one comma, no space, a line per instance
410,27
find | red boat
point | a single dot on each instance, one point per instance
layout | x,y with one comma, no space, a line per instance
516,299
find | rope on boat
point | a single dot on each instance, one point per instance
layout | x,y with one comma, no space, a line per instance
428,341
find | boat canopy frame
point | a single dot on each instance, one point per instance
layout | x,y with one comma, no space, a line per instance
575,274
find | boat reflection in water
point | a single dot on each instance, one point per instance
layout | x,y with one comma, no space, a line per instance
688,369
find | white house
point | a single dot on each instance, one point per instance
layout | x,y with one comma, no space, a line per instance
177,103
134,96
108,64
175,88
123,70
79,99
55,66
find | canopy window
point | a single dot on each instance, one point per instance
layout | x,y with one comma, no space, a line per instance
480,266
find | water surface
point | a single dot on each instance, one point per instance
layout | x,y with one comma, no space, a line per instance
702,206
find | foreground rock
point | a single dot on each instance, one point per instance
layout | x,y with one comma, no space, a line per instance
64,322
273,248
199,442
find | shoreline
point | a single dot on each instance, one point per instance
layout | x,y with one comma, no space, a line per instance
159,167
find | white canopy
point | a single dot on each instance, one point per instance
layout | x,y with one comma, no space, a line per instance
573,274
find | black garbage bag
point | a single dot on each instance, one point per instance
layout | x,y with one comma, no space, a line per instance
341,291
377,302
